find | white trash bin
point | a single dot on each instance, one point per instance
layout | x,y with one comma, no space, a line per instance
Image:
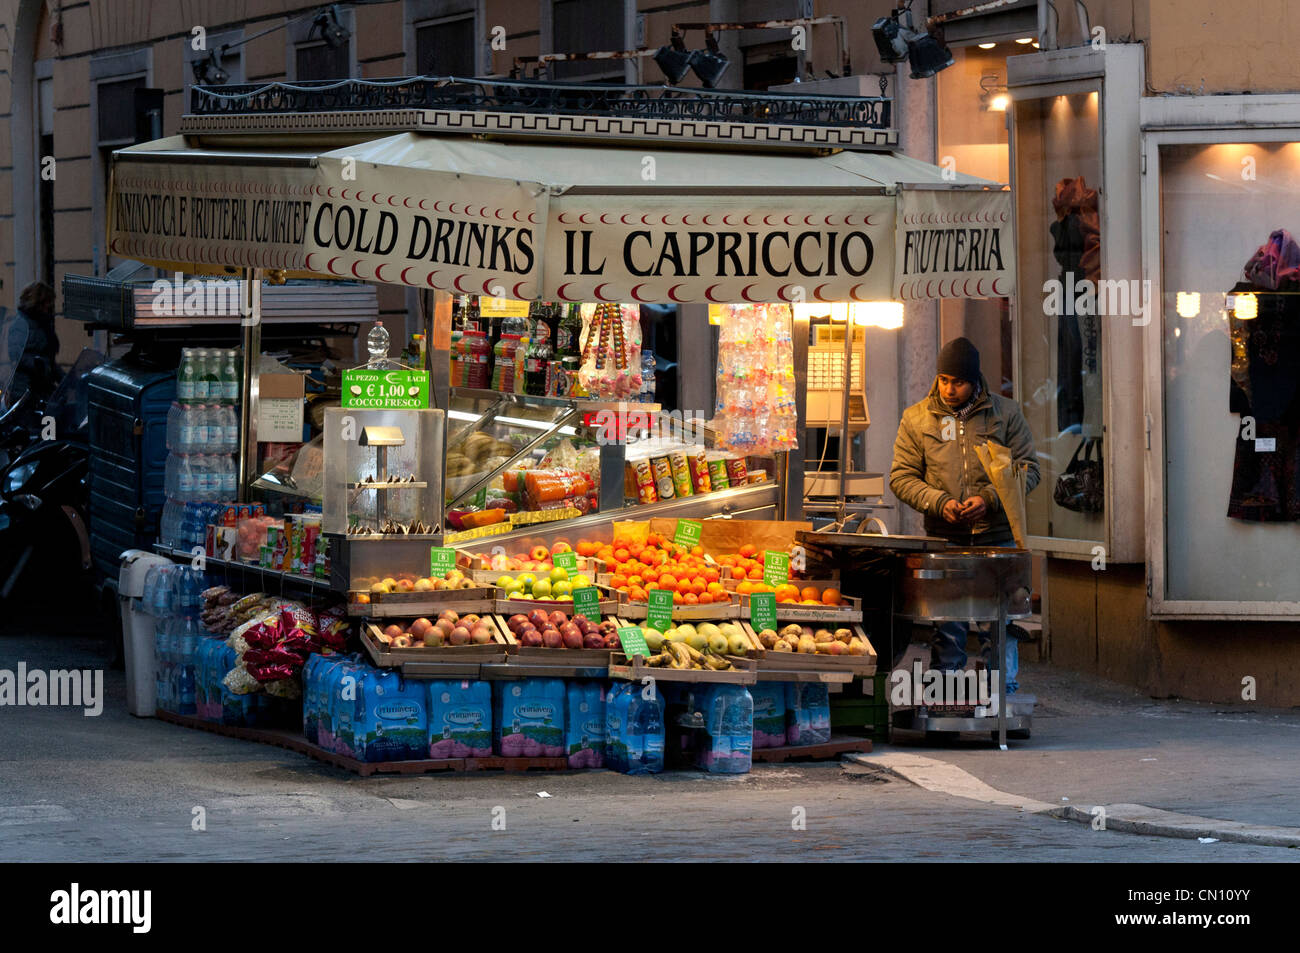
138,631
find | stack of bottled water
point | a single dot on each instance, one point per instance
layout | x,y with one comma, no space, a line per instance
203,437
173,595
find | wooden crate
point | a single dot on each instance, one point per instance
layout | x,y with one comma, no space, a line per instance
532,654
744,671
785,612
480,600
509,607
857,665
468,656
713,612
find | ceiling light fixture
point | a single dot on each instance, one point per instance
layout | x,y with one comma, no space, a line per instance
987,46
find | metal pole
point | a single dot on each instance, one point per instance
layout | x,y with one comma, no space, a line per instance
795,467
1002,672
844,416
251,334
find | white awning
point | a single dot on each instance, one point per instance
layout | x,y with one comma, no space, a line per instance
573,222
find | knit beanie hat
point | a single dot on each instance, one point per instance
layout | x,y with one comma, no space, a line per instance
960,359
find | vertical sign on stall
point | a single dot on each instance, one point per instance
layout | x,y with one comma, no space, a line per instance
660,613
762,611
776,568
688,533
586,602
442,560
633,641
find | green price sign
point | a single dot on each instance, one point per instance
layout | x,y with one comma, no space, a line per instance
442,560
633,641
776,567
688,533
586,601
370,388
567,561
762,611
660,614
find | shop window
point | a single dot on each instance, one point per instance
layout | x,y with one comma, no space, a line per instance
1058,170
446,47
588,26
971,100
1230,354
117,110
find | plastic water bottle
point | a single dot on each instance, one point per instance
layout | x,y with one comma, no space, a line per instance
230,378
188,648
647,392
377,342
185,375
230,429
229,478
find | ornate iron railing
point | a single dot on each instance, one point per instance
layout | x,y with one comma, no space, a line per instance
447,92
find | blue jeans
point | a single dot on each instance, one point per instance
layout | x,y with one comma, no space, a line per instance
948,650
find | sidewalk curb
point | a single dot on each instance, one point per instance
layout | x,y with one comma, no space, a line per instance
1140,819
932,774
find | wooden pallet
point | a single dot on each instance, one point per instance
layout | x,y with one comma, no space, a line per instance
296,742
832,749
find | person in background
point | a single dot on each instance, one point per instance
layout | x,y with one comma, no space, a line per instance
937,473
37,368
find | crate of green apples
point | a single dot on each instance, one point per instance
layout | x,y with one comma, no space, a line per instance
526,591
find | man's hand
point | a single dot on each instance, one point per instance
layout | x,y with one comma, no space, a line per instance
952,511
973,509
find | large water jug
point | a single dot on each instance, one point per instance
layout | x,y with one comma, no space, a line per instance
769,714
645,731
392,721
460,719
809,713
528,718
585,724
729,728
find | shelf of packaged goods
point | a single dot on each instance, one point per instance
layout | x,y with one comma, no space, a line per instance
581,405
755,501
274,576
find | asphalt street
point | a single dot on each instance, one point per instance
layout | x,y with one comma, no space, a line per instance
115,788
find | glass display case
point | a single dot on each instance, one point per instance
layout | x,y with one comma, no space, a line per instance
587,462
382,472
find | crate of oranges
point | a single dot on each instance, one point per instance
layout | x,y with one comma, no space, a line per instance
808,600
638,567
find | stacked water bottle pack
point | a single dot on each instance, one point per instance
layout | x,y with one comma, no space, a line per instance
203,440
173,596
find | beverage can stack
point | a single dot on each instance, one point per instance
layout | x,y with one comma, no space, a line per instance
202,439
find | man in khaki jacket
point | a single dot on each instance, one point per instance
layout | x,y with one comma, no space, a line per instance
937,472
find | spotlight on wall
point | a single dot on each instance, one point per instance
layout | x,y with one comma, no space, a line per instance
710,64
897,39
208,71
993,96
674,60
332,31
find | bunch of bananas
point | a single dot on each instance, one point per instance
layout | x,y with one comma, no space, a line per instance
679,655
